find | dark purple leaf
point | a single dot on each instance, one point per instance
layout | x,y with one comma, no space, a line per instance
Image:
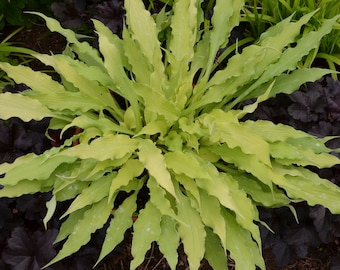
111,13
326,225
3,266
84,259
284,254
16,88
302,113
27,251
301,250
335,263
5,213
5,137
71,13
324,128
33,206
303,235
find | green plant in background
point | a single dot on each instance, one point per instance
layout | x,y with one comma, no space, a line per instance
261,14
177,133
13,11
12,54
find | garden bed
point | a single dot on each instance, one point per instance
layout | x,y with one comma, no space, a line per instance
26,213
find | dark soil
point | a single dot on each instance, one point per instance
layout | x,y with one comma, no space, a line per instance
319,258
38,38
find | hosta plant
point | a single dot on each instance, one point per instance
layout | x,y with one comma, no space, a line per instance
151,114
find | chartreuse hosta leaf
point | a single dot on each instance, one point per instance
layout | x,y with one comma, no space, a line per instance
83,49
302,184
139,20
93,219
13,104
121,221
132,168
259,192
33,170
225,20
153,160
30,187
210,210
111,146
159,199
214,252
290,58
151,110
169,240
181,50
68,225
241,245
146,230
74,73
90,195
192,232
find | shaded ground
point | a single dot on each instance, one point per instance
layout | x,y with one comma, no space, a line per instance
320,258
37,38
